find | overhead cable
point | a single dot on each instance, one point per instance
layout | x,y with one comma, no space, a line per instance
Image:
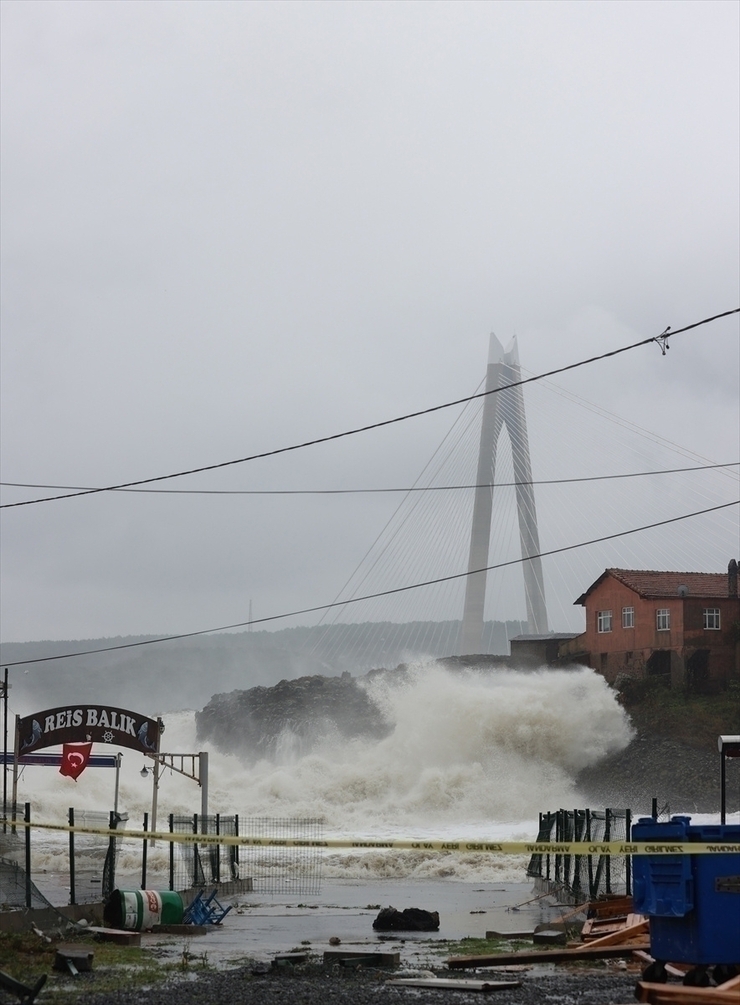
373,596
350,492
660,340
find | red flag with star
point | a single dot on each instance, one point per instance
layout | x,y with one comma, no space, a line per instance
74,759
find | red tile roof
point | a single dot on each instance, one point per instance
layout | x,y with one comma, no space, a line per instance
647,583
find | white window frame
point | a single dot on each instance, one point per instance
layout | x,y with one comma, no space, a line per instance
711,614
603,622
663,619
628,617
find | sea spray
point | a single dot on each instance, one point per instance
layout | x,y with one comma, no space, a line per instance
469,754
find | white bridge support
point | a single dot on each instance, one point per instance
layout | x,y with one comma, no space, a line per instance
504,408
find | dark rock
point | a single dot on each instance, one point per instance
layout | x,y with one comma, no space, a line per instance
300,712
412,919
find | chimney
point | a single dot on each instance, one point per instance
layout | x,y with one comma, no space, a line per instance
732,578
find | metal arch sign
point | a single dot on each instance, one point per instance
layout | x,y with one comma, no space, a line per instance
87,723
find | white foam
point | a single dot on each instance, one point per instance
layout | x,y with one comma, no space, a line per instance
470,756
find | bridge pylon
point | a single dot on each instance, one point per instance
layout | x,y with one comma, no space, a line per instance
506,408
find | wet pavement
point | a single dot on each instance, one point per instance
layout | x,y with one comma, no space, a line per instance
258,927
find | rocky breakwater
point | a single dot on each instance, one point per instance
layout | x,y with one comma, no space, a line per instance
294,714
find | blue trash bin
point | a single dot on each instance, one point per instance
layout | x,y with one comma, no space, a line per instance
693,901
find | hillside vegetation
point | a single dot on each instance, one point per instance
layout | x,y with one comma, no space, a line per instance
695,720
673,757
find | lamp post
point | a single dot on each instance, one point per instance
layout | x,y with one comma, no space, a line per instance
729,746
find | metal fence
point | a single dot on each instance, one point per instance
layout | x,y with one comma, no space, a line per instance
584,877
93,859
274,870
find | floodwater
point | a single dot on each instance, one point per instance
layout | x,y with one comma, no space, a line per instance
260,928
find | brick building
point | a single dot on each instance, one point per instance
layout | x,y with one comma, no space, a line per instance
686,624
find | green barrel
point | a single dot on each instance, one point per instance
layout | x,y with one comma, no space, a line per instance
135,910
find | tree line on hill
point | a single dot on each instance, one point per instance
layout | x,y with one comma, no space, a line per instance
186,673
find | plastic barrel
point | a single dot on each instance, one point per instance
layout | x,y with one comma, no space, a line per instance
134,910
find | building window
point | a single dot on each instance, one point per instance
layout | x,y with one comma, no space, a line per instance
663,619
603,621
628,617
711,618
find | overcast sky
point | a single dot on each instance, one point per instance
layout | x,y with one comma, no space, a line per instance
228,227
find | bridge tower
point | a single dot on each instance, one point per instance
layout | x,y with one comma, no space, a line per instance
506,408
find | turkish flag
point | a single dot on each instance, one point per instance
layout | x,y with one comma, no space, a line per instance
74,759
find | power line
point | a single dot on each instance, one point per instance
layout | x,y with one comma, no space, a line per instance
349,492
660,340
374,596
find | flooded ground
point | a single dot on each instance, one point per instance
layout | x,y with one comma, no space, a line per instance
260,928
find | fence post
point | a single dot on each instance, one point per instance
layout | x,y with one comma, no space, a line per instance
549,838
196,854
72,891
27,818
217,877
590,857
172,853
109,879
235,850
143,853
628,858
607,838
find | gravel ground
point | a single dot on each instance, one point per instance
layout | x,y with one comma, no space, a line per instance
315,985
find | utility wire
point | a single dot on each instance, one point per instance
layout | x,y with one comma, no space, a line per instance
373,596
660,340
349,492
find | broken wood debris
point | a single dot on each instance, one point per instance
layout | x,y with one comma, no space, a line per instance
678,994
117,936
289,959
634,926
358,958
446,984
585,952
23,992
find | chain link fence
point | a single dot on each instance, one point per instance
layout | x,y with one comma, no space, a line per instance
584,877
233,868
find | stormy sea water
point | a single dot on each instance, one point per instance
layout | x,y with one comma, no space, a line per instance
468,756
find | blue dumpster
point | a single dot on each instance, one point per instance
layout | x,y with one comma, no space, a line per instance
693,901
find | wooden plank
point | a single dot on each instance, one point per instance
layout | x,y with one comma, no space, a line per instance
679,994
594,928
734,982
623,935
289,958
118,936
611,908
379,959
585,952
444,983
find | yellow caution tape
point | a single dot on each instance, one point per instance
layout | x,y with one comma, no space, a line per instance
408,844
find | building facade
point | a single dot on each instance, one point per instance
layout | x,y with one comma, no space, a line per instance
645,623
